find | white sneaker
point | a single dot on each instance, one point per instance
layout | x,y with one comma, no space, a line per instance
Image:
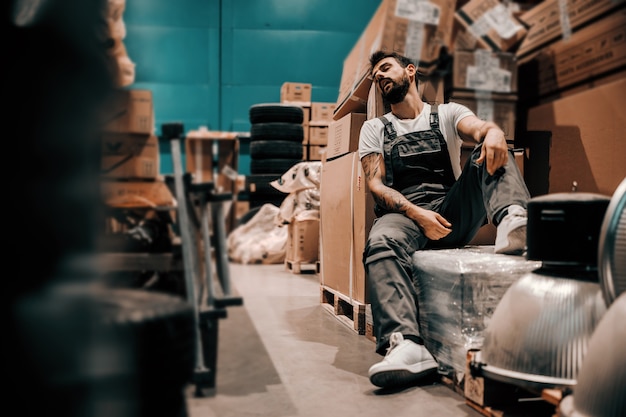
511,232
404,363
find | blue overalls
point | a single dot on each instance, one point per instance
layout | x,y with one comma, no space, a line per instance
418,166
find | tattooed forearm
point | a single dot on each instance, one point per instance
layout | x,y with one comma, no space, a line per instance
384,196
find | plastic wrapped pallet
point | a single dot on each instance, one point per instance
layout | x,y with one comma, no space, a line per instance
458,291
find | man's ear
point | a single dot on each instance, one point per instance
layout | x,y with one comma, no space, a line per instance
412,70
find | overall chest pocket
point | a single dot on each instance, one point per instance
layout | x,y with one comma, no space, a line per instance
418,153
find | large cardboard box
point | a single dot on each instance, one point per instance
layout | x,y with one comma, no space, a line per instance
484,70
343,135
549,21
130,156
303,241
492,23
322,112
212,156
588,145
129,111
497,108
346,217
591,52
416,29
318,135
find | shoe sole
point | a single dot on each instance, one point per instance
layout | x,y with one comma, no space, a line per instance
516,242
400,377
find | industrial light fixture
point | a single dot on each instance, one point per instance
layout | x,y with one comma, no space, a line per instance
539,332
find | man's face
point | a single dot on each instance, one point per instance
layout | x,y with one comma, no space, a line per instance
392,80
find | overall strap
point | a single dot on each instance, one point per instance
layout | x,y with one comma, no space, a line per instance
390,135
434,117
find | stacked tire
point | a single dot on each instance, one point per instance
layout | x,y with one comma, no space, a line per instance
276,136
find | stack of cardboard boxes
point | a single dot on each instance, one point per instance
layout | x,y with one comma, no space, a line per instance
130,153
553,65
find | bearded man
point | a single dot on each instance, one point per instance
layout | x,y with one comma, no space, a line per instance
411,160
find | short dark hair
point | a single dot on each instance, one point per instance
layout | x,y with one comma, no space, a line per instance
404,61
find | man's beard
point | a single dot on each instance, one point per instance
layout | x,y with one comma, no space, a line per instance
398,91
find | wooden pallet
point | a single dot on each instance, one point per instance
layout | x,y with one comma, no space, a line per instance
498,399
349,312
298,267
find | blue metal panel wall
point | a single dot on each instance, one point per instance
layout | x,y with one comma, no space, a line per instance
208,61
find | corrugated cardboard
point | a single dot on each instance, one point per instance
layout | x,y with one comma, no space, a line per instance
484,70
318,135
296,93
497,108
343,135
303,241
547,23
203,148
416,29
322,112
130,156
130,111
588,145
590,52
346,216
492,23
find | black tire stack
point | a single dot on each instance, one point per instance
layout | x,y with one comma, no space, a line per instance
276,136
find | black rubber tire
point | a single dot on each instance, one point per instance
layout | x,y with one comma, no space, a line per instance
276,112
272,165
277,131
261,149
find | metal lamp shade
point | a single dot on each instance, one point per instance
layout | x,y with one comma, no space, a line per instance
612,248
539,332
601,387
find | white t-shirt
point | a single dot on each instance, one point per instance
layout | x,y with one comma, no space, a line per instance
372,135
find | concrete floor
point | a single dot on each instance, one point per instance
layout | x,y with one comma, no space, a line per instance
282,354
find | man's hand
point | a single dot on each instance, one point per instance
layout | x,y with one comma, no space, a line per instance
433,224
494,151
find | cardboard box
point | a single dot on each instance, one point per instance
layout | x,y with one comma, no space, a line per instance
492,23
343,135
303,241
587,144
346,217
130,111
318,135
322,112
416,29
497,108
137,194
547,24
296,93
130,156
591,52
315,152
484,70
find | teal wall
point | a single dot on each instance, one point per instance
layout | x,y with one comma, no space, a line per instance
207,61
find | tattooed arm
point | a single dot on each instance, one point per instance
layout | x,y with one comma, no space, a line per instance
432,224
495,148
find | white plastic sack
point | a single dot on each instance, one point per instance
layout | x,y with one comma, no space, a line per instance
301,176
296,202
260,240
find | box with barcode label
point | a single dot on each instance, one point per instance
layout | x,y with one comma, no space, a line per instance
484,70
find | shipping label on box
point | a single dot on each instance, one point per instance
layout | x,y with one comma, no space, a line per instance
129,111
492,23
590,52
130,156
551,20
485,70
343,135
